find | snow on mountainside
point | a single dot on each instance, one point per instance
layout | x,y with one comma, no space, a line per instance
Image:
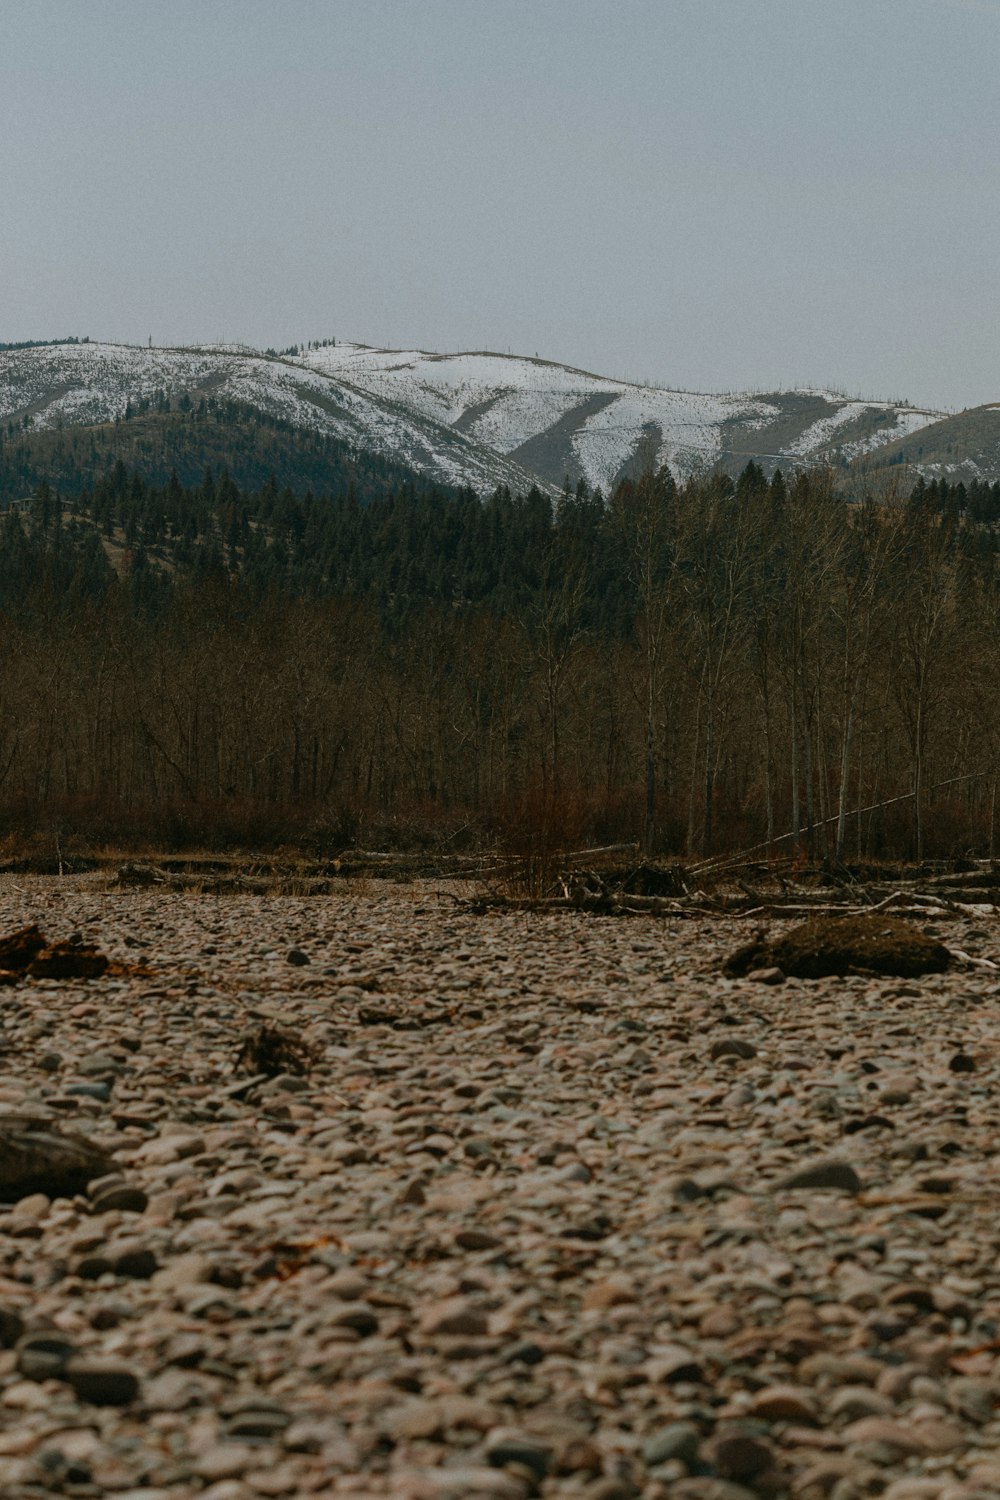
556,420
82,384
473,418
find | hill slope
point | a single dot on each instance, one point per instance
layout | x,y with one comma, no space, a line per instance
89,384
965,446
556,420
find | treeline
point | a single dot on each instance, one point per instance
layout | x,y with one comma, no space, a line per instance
703,667
6,347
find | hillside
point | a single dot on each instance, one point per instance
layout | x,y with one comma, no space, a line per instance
965,446
476,419
72,385
556,420
253,448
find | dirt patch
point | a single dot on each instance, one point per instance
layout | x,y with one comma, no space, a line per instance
843,945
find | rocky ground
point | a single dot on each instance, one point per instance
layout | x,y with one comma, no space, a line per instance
557,1211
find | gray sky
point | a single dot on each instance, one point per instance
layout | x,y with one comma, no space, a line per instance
712,194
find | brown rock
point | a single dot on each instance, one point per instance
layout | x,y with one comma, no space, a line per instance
100,1383
37,1157
784,1403
837,1175
611,1293
853,1402
454,1315
739,1455
904,1440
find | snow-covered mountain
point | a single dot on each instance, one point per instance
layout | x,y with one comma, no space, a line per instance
473,418
85,384
555,420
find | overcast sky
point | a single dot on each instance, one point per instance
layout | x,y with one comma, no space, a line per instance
711,194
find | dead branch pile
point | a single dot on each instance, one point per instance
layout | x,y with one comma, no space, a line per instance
29,952
239,875
925,893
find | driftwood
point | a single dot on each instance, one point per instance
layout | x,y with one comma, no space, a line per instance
37,1157
763,892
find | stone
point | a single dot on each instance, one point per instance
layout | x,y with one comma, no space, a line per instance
455,1315
101,1383
898,1437
608,1287
836,1175
11,1327
224,1461
676,1440
463,1482
739,1455
612,1293
852,1402
38,1157
477,1239
257,1422
134,1260
119,1197
509,1447
356,1315
784,1403
193,1269
975,1400
672,1364
42,1356
732,1046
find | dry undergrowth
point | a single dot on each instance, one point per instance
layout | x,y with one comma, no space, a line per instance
272,1050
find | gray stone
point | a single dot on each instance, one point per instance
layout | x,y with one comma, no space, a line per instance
677,1440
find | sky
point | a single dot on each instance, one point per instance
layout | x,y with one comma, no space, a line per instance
706,194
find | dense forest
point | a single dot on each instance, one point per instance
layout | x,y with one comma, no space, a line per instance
703,666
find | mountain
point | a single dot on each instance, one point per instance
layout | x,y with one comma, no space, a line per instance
556,420
55,387
477,418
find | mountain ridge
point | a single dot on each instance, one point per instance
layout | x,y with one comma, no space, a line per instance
482,419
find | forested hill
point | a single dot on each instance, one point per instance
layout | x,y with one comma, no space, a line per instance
156,442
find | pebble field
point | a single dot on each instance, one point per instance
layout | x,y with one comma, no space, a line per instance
556,1211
